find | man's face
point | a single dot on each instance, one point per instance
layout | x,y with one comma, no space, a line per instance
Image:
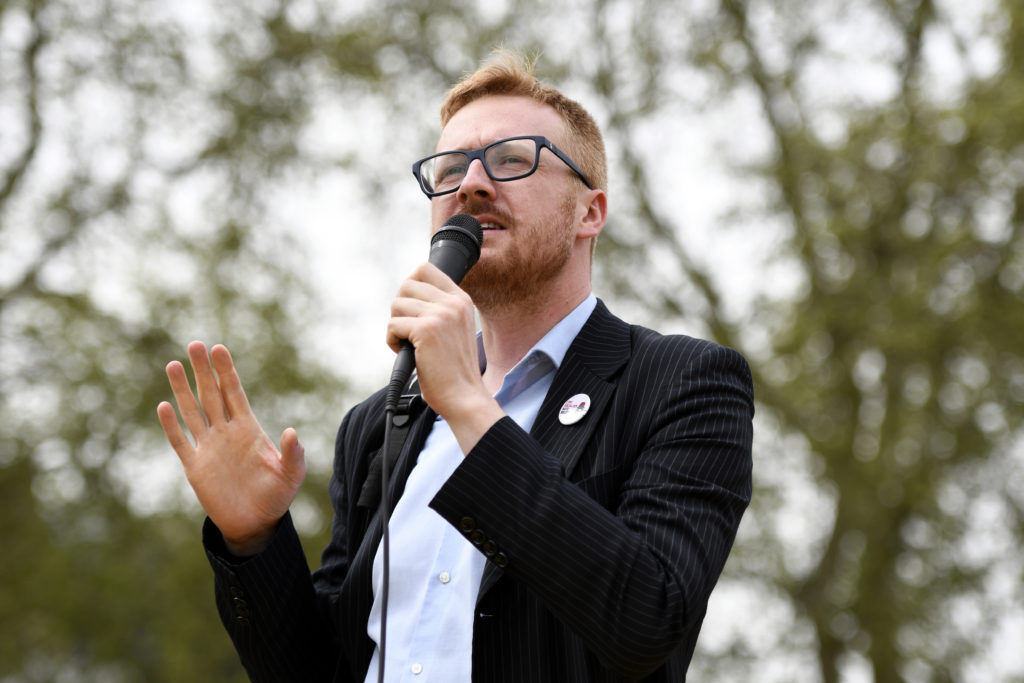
529,224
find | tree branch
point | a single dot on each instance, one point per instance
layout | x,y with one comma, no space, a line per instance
24,160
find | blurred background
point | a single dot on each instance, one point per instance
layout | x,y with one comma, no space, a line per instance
834,188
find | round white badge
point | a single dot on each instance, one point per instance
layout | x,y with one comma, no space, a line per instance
574,409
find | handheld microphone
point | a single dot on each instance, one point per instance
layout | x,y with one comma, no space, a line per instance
453,249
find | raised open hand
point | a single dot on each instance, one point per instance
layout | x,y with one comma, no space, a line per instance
243,482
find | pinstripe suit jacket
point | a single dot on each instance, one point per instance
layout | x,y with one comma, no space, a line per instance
605,537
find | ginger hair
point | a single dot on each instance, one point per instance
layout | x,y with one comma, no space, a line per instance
511,74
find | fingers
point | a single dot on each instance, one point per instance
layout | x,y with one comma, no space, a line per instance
293,455
206,384
190,411
220,396
428,298
413,290
432,275
175,434
235,401
425,288
427,283
405,312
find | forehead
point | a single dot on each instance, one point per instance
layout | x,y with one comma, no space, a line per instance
495,117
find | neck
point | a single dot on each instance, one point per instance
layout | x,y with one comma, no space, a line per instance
508,332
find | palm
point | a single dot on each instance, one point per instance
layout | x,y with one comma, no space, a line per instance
244,483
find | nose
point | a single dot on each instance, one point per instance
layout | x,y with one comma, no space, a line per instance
476,183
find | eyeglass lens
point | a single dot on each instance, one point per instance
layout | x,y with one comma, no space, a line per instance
504,161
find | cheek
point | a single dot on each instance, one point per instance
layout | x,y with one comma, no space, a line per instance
439,212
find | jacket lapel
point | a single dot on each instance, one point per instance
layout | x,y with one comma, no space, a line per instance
360,576
414,441
590,367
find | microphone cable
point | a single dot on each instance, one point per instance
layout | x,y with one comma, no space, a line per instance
454,248
385,505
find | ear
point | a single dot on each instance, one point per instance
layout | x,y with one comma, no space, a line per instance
593,207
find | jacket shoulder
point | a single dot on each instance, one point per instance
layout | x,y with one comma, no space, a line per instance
647,351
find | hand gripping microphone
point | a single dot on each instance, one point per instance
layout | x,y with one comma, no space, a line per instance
453,249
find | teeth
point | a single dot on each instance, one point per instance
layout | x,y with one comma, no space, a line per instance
491,226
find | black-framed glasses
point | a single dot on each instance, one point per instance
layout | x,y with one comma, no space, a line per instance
507,159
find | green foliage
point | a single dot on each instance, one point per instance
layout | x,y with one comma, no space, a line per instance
146,152
899,361
104,576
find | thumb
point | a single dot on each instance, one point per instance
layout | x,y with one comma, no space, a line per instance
293,454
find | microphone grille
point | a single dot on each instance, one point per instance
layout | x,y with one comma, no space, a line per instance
463,229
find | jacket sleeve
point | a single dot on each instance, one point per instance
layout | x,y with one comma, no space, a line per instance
270,610
281,620
630,571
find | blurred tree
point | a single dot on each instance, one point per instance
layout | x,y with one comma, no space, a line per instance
890,372
872,151
133,186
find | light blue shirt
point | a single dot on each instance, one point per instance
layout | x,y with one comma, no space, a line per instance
435,571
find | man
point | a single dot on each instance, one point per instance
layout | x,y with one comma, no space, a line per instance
564,505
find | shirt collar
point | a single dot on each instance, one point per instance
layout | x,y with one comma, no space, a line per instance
555,344
552,346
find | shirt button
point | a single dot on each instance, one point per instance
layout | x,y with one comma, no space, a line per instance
445,577
416,669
